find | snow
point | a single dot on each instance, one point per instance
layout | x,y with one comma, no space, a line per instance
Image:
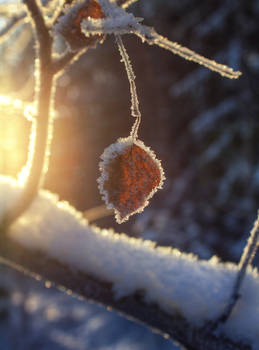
178,282
70,13
122,24
118,21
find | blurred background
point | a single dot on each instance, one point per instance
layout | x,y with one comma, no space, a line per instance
204,128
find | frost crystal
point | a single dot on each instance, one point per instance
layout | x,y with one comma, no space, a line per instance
130,175
69,25
117,21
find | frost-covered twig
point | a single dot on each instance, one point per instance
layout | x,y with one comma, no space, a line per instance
125,3
11,25
246,259
125,23
150,36
135,112
67,58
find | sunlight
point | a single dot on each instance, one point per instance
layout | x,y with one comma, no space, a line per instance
14,136
23,174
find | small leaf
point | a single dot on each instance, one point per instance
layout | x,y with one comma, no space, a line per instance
130,175
93,9
69,24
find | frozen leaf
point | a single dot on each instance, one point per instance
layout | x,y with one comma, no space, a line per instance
92,9
130,175
69,25
117,21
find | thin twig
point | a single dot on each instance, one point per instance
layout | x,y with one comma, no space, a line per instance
246,259
69,57
58,13
130,25
125,3
150,36
11,25
97,213
135,112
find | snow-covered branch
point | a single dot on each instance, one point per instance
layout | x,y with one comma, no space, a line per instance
120,22
170,291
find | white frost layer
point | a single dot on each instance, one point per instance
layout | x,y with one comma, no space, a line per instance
177,282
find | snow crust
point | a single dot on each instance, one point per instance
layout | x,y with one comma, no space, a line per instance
178,282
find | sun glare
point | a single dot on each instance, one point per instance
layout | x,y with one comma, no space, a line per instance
14,136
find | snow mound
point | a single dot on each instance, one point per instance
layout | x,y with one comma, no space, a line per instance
178,282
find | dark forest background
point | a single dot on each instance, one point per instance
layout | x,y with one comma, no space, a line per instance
204,128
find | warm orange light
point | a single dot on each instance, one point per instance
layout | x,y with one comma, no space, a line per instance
14,136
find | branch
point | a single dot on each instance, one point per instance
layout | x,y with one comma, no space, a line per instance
171,291
246,259
150,36
11,25
125,3
43,128
69,57
42,32
126,23
43,267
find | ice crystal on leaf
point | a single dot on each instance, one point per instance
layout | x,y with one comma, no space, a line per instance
69,25
130,175
110,17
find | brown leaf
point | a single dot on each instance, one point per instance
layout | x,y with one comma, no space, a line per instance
72,30
130,176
